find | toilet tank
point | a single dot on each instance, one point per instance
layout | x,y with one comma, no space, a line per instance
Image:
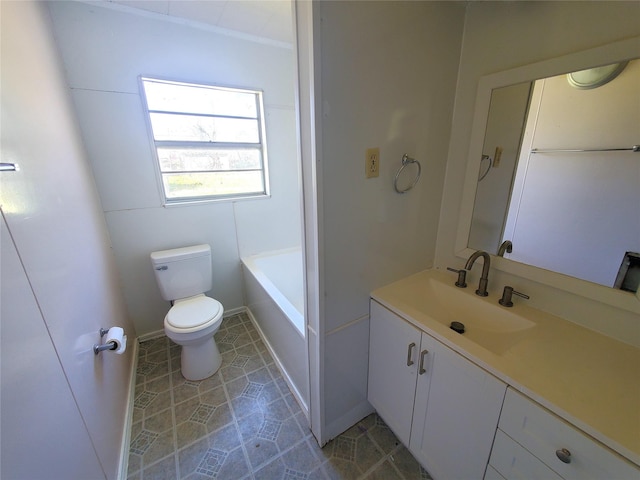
183,272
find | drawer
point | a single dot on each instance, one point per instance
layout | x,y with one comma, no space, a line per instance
513,462
543,433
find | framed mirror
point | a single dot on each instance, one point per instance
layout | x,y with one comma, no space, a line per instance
553,174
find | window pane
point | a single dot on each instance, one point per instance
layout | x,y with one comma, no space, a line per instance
181,159
190,185
170,97
208,139
188,128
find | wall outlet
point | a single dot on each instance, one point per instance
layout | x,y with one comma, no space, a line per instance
372,162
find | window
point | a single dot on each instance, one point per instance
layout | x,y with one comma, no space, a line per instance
209,140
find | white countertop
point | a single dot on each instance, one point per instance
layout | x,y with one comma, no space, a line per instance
589,379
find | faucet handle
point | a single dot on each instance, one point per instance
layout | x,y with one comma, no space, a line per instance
462,277
508,291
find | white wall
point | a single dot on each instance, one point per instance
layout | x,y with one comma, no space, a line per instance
63,408
388,74
104,51
499,36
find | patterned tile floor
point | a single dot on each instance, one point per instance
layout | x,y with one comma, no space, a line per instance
244,423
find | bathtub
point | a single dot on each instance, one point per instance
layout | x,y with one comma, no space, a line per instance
274,294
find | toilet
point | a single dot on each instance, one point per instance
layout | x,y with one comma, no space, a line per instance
183,275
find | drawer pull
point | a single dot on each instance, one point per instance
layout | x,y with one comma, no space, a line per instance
409,354
422,370
564,455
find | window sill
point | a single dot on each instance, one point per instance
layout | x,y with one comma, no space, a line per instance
191,203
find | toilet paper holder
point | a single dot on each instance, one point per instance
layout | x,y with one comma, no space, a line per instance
105,346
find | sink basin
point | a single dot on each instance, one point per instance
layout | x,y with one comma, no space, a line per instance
433,297
475,312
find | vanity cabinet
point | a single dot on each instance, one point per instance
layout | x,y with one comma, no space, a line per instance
439,404
455,417
394,346
532,442
442,393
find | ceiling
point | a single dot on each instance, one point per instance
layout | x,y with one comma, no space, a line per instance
270,19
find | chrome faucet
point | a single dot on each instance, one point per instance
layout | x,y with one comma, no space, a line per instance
484,279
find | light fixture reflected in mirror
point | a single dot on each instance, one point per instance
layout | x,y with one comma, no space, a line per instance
595,77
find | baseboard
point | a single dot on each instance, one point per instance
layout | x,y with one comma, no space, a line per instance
234,311
126,434
303,405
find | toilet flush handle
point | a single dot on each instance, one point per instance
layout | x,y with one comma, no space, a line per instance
163,267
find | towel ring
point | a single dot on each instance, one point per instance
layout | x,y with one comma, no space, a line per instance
482,159
407,160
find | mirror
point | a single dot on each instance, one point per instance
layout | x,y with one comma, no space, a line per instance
552,172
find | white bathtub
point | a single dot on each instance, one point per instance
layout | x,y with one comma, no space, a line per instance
274,293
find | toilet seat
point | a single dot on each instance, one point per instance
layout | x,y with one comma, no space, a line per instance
193,314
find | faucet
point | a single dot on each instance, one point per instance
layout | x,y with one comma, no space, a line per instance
505,246
484,279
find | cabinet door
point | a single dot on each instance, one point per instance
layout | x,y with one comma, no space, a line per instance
456,416
393,344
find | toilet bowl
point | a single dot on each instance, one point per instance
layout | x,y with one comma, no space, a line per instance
183,275
192,323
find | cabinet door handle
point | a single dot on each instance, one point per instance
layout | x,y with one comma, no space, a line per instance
423,354
564,455
410,354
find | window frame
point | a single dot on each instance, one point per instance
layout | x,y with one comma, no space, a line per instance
260,145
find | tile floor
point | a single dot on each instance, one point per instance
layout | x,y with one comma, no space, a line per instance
244,423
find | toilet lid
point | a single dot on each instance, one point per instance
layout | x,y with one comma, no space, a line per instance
191,312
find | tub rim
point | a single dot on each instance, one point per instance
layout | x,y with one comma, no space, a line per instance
288,309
